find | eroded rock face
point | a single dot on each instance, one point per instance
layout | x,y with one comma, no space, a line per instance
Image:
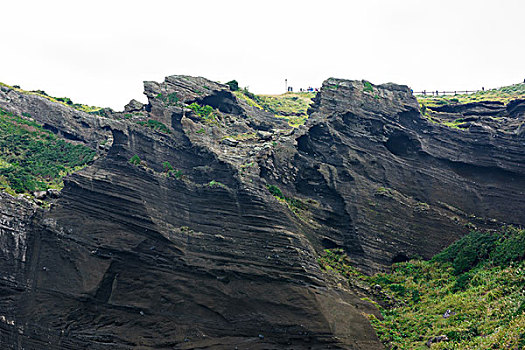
203,256
394,185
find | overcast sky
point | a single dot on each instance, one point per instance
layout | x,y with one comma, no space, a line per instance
99,52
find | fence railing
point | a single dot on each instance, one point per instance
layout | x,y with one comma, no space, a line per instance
442,93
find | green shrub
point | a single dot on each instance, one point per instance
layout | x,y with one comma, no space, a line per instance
172,98
167,167
156,125
510,248
466,253
216,184
135,160
205,112
233,84
40,92
416,296
399,289
462,281
294,204
367,86
66,100
275,191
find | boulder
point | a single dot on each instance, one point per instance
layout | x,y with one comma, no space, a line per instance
133,106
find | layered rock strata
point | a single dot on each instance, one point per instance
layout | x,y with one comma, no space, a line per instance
200,254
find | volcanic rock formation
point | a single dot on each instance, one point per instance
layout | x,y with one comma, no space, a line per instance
220,251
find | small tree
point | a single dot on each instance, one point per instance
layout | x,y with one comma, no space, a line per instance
135,160
167,167
233,84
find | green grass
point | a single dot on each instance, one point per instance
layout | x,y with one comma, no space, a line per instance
34,159
216,184
286,104
170,99
480,278
367,86
290,106
249,98
156,125
503,94
169,170
293,204
455,124
135,160
294,120
66,101
245,136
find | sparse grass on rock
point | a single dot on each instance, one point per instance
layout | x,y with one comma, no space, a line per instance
503,94
291,106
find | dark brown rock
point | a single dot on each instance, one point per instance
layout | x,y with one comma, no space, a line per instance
373,163
205,257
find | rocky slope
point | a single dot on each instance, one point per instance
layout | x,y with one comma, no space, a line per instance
188,248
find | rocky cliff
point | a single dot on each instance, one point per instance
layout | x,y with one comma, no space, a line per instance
200,222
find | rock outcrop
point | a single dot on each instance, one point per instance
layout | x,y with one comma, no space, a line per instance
394,184
200,254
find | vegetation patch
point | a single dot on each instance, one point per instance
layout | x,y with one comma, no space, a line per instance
167,167
242,136
170,171
294,204
503,94
156,125
336,260
290,106
62,100
456,124
294,121
248,97
233,84
205,112
34,159
367,86
471,293
171,98
135,160
216,184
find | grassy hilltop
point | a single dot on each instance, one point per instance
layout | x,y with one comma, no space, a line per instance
292,106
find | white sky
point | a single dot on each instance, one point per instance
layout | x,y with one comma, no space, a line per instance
99,52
